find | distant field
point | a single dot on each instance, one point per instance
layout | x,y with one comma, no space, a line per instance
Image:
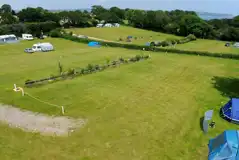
208,46
113,34
146,110
123,32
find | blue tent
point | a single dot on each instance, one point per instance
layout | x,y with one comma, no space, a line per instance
230,111
224,146
94,44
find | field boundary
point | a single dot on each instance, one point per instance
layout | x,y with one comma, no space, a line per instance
151,48
74,72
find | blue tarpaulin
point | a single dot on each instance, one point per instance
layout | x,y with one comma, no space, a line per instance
225,146
231,110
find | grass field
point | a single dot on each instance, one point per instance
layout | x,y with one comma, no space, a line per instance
114,34
123,32
208,46
146,110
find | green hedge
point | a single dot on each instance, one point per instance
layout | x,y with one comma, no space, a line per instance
172,41
72,72
154,49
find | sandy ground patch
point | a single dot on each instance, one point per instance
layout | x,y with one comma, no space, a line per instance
35,122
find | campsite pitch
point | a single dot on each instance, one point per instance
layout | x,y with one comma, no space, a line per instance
146,110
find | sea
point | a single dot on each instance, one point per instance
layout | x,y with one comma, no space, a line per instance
209,16
203,15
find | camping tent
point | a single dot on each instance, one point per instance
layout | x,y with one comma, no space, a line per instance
230,111
94,44
225,146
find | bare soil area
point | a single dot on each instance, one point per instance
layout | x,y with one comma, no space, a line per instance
35,122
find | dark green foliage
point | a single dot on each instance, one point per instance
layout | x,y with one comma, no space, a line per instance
33,28
70,72
121,60
55,33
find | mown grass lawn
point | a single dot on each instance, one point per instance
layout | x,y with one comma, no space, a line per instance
146,110
123,32
208,46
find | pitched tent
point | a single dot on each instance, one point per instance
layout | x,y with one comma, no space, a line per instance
94,44
230,111
225,146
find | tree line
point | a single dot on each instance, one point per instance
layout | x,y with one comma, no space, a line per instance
176,22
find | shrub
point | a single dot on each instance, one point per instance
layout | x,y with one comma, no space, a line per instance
97,67
152,44
121,60
90,68
55,33
70,71
137,57
191,37
114,63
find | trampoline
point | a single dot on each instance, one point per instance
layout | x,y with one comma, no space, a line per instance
230,111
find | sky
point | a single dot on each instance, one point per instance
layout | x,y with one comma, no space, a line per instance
214,6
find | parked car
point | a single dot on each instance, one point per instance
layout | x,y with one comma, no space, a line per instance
28,50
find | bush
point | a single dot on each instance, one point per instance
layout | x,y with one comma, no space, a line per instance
138,57
191,37
70,71
55,33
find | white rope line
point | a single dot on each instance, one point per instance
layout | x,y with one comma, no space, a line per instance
42,100
17,89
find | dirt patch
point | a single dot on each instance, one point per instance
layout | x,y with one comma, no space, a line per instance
34,122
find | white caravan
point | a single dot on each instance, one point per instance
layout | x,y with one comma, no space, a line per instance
44,47
27,37
8,38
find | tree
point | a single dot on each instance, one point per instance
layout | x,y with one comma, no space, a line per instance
97,10
118,12
7,18
6,8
